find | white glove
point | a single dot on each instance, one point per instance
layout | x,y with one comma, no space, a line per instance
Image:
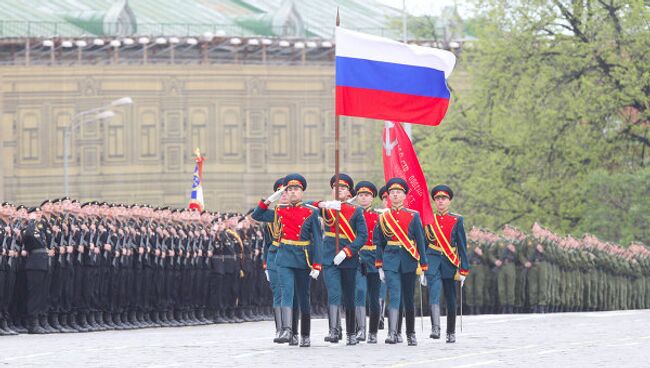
423,280
334,205
266,272
339,258
314,274
351,200
382,276
275,196
462,280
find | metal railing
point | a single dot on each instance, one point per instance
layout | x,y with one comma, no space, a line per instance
20,28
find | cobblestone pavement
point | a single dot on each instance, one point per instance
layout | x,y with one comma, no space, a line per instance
597,339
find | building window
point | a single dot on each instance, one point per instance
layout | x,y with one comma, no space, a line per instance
310,135
115,140
231,135
279,134
30,143
198,131
62,121
148,134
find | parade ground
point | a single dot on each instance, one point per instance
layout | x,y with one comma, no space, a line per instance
594,339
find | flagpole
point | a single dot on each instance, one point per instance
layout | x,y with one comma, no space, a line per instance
337,163
407,126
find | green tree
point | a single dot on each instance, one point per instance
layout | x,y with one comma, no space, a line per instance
557,105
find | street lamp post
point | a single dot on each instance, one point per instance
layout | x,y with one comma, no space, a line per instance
80,119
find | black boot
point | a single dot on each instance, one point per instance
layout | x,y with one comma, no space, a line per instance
55,322
372,338
295,318
451,327
155,319
435,321
360,319
333,314
193,317
410,338
5,330
205,316
117,319
351,339
400,319
34,326
133,320
374,324
236,315
221,317
21,325
226,315
99,319
277,314
172,321
351,326
391,338
410,327
90,319
451,337
141,320
14,326
46,325
287,316
108,321
83,322
305,330
72,322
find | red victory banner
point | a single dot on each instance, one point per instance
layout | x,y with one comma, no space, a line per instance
400,161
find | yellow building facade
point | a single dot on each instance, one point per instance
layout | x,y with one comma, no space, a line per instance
254,123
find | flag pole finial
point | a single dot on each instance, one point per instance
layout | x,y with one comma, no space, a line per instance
338,17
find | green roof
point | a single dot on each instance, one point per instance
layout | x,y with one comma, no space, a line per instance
304,18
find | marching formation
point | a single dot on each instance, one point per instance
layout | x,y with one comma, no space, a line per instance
360,249
542,273
72,267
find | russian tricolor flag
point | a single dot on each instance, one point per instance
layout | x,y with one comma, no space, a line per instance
196,198
379,78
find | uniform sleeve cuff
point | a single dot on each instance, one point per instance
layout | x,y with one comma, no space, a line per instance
263,205
348,252
379,264
463,272
264,265
425,267
317,267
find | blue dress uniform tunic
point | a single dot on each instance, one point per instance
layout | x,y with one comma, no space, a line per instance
334,278
395,260
450,240
300,241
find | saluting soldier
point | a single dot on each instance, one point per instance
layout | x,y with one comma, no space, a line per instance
399,238
297,258
449,231
271,247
